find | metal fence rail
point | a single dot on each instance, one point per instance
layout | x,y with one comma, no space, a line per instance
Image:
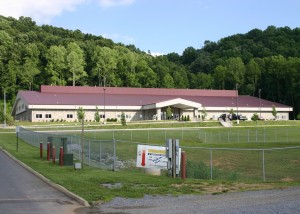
117,149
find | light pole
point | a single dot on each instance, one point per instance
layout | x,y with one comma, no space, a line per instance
237,103
259,90
4,110
104,89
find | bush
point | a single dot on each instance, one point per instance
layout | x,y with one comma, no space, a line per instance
298,117
254,117
123,119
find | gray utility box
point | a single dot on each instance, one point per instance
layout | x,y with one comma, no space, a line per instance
68,159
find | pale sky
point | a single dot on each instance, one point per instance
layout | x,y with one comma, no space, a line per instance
161,26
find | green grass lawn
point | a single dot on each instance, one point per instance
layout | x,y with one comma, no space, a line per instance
231,168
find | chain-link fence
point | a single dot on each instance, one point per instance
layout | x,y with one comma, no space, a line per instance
201,135
117,149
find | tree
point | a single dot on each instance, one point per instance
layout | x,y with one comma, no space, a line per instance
123,119
252,74
104,60
97,116
220,76
235,72
30,65
75,63
203,113
169,112
81,116
56,64
274,112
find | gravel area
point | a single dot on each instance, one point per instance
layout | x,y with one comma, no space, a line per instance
263,201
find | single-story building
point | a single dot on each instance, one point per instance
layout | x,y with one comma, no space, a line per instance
60,103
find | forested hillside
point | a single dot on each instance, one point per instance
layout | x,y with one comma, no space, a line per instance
32,55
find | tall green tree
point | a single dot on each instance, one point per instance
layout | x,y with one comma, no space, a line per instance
105,63
30,67
75,64
252,74
56,64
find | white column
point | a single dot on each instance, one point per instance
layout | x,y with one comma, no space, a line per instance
158,113
195,113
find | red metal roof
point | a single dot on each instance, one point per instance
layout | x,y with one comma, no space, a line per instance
135,91
63,95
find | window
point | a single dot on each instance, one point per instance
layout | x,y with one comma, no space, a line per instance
102,116
48,115
69,115
38,116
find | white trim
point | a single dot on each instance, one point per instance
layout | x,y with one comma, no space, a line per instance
181,103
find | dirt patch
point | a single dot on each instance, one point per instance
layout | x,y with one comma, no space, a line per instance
222,188
288,179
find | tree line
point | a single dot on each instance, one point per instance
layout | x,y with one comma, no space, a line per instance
260,60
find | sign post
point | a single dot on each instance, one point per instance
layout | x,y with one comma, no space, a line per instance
17,132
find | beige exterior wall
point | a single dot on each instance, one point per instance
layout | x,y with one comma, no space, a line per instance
71,115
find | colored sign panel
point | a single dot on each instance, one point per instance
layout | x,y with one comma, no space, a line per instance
152,157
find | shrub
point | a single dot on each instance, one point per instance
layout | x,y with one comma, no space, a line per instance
123,119
255,117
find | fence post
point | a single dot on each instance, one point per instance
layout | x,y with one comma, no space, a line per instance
264,134
256,136
248,136
41,150
183,165
165,134
53,154
89,152
228,137
263,165
114,164
61,156
48,151
211,165
99,152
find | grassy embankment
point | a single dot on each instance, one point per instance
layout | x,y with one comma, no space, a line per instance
88,183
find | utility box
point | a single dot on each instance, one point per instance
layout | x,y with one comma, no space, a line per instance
68,159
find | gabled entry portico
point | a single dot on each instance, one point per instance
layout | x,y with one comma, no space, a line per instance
178,105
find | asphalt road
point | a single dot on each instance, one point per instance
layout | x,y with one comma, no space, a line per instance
264,201
21,192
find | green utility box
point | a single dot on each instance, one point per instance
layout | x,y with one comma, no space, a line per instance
68,159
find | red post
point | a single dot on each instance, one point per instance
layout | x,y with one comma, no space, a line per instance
61,155
183,165
41,150
53,154
48,151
